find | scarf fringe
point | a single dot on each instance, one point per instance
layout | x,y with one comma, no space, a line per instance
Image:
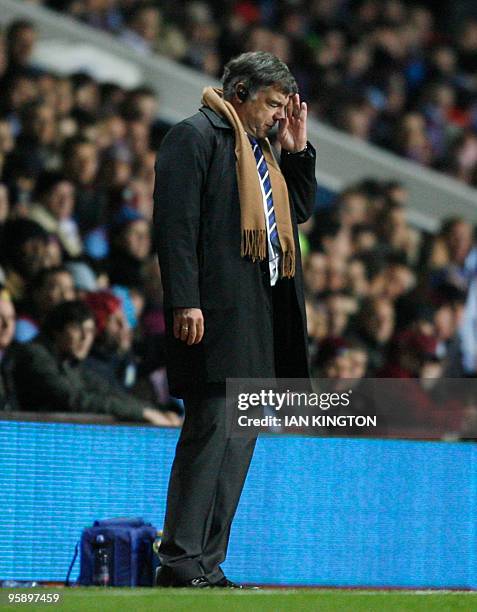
288,264
254,244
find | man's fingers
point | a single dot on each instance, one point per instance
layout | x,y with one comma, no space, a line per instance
189,330
192,333
184,332
188,325
290,107
200,330
296,105
282,125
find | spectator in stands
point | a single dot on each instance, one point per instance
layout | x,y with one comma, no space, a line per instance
331,238
315,273
49,375
54,252
333,359
396,233
50,287
130,247
414,355
142,28
363,239
358,281
81,168
23,254
4,206
7,330
412,141
54,211
103,15
7,142
339,308
116,175
394,280
352,208
337,277
86,98
358,356
21,38
449,302
202,34
111,356
141,102
374,328
37,141
452,247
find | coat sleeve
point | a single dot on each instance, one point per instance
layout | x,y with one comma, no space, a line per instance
299,173
181,169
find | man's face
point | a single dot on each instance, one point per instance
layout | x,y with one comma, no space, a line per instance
76,339
359,362
60,200
445,322
84,163
381,323
117,332
22,44
354,209
137,239
147,107
43,125
315,272
260,112
58,288
7,143
339,367
4,203
147,24
460,241
7,323
33,252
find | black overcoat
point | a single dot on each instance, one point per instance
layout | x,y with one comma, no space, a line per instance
197,233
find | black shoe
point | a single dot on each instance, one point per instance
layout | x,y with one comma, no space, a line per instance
225,583
200,582
165,578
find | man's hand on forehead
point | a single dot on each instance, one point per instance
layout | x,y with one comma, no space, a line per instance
292,128
293,106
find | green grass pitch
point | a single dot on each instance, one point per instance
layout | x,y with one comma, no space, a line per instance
268,600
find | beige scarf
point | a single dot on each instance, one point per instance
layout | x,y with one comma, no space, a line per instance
252,217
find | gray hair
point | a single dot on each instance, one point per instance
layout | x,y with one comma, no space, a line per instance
257,70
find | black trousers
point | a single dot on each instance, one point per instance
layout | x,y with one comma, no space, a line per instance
207,478
210,467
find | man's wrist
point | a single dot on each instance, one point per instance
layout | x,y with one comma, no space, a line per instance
299,152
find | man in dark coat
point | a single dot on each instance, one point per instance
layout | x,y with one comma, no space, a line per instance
226,215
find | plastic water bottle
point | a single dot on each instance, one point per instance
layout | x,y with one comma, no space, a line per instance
102,560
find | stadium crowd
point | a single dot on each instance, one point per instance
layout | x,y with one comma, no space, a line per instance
81,320
398,74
